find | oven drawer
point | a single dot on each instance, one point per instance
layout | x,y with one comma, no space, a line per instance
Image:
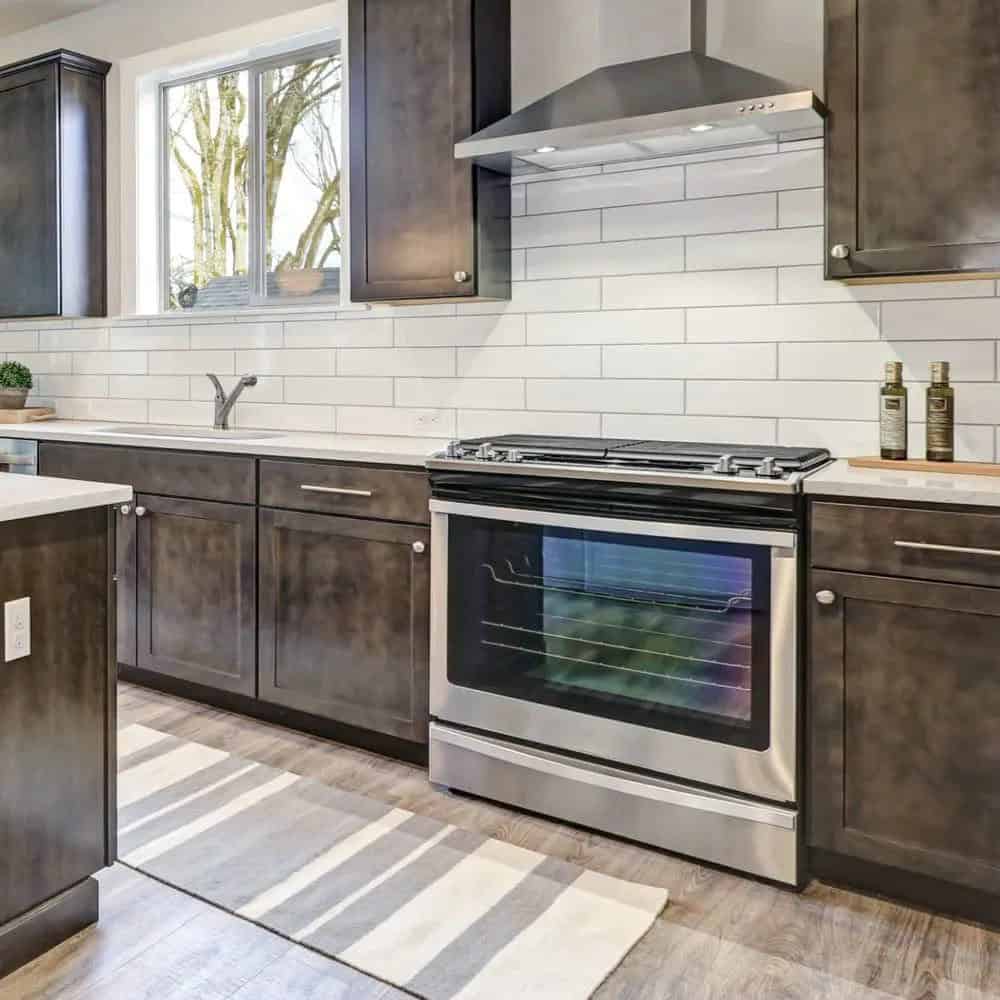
924,544
354,490
713,826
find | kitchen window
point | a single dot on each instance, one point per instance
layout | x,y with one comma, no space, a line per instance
251,183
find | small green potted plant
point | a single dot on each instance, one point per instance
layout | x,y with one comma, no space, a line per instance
15,384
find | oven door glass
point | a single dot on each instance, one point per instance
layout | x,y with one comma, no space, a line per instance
664,633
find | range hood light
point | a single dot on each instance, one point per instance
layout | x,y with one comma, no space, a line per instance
702,128
546,149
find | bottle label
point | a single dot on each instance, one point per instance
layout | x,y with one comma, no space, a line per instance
893,423
941,425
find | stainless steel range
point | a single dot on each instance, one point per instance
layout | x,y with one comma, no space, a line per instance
614,638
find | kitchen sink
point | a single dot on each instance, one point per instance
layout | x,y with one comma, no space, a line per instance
187,433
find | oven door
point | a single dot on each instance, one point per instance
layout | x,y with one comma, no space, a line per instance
665,647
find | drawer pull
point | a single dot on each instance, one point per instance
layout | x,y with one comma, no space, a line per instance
960,549
338,490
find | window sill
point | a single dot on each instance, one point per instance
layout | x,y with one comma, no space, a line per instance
207,315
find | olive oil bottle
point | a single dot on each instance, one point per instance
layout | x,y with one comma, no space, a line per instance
940,415
892,412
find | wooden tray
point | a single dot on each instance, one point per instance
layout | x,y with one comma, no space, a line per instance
27,416
919,465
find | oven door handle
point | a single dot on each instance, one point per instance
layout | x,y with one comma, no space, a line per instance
656,789
621,526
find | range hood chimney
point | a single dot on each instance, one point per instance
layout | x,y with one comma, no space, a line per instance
681,103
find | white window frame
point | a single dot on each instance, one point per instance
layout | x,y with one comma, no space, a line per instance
137,254
257,247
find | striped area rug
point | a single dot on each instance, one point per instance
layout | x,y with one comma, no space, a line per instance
439,911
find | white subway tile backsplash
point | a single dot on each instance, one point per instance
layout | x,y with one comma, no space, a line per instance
688,428
555,230
800,208
399,361
970,360
941,320
675,291
338,333
606,395
569,295
829,400
149,386
633,187
806,284
799,169
396,420
681,297
339,391
286,362
461,393
110,362
767,248
460,331
629,326
487,423
529,362
596,259
690,218
237,335
840,321
691,361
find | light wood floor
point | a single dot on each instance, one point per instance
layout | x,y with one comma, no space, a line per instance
720,937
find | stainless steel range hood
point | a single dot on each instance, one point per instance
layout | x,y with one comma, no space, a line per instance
681,103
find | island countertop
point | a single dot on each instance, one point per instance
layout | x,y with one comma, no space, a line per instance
36,496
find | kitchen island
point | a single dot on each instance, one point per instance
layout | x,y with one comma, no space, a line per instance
57,708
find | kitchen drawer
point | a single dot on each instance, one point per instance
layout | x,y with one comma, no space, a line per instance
907,542
152,470
358,491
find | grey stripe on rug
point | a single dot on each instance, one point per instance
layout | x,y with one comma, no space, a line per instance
442,912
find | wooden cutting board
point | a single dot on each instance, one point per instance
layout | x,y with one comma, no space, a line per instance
27,416
919,465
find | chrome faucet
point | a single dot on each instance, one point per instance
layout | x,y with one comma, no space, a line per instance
223,403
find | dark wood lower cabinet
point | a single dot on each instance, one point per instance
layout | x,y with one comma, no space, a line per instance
904,734
196,591
344,620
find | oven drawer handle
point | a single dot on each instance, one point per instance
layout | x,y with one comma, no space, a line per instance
959,549
341,491
660,791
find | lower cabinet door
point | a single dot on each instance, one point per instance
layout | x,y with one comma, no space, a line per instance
197,595
903,725
345,620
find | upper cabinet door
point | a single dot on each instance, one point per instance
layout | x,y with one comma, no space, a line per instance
29,192
423,75
913,88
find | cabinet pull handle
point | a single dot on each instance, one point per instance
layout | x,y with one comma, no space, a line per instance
338,490
961,549
140,512
840,251
125,509
462,276
419,548
826,597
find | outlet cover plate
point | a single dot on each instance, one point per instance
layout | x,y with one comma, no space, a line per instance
17,629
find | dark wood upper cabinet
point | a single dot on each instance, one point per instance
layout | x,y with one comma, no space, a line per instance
197,592
913,88
53,244
423,75
345,620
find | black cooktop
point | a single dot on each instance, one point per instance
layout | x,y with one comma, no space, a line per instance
633,450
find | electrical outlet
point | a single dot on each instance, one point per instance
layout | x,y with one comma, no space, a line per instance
17,629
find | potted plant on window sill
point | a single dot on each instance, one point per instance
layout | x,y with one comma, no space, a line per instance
15,384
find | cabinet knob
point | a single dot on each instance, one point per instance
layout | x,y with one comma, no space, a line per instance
826,597
462,276
419,548
125,509
140,512
840,251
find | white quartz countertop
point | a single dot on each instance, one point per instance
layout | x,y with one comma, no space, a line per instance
271,444
35,496
842,480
